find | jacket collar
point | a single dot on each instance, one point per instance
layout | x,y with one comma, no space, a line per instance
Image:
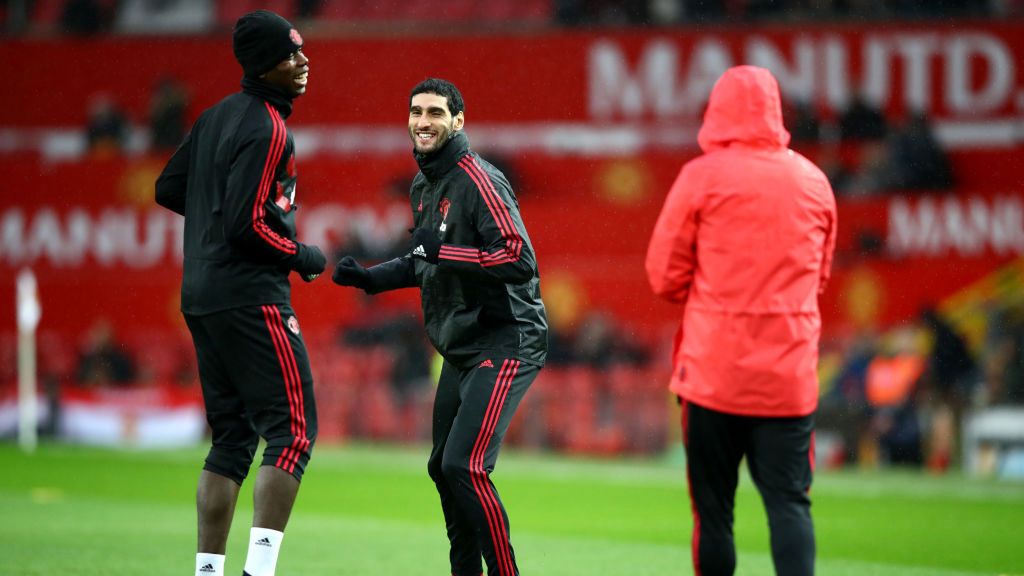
277,97
436,164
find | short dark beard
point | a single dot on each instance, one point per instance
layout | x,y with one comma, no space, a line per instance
442,143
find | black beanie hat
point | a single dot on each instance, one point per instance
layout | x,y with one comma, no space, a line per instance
261,40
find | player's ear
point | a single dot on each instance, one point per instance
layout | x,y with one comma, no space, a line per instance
459,121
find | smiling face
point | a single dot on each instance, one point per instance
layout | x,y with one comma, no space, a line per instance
290,74
431,124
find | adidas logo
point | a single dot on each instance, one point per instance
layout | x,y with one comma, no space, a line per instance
487,364
419,251
207,568
263,542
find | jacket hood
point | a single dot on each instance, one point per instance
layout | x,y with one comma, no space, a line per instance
744,107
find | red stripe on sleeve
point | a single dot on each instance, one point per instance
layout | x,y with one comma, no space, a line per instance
500,213
277,143
449,252
513,240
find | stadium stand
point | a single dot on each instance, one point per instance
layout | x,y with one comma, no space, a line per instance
543,76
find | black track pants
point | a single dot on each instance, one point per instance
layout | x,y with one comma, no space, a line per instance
256,382
780,457
472,412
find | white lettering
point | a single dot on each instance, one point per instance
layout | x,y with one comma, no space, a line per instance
975,72
917,53
614,90
1007,226
875,87
12,233
966,227
45,238
110,235
965,230
150,248
913,230
837,73
78,238
966,54
116,237
796,81
709,60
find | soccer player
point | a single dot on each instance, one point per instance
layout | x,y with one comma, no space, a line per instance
744,244
233,179
473,263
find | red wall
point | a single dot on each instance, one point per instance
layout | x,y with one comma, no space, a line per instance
589,214
101,247
968,72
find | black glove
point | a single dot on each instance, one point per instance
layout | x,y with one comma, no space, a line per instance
309,262
348,272
425,245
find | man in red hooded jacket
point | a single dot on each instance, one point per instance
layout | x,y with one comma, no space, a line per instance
744,243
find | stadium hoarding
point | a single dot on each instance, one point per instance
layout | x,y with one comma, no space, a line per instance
582,92
108,251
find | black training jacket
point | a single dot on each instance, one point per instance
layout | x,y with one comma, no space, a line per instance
482,299
233,178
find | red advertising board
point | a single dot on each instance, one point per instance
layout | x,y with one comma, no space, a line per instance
593,127
962,74
101,247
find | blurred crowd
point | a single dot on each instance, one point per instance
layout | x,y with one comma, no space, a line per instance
601,393
896,396
85,17
900,396
594,358
865,153
862,151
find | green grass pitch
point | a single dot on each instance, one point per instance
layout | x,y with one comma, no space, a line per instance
372,510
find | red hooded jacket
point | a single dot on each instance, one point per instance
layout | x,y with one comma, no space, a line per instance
744,242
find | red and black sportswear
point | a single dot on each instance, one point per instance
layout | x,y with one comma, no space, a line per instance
482,299
233,178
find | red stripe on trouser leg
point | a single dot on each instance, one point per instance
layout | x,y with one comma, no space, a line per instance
297,415
478,475
810,459
695,541
492,494
275,336
293,388
295,392
285,456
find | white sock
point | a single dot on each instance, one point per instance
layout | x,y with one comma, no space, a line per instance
209,564
264,544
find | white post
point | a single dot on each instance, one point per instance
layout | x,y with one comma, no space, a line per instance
29,312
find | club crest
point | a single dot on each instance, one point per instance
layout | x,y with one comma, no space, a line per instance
293,325
443,208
